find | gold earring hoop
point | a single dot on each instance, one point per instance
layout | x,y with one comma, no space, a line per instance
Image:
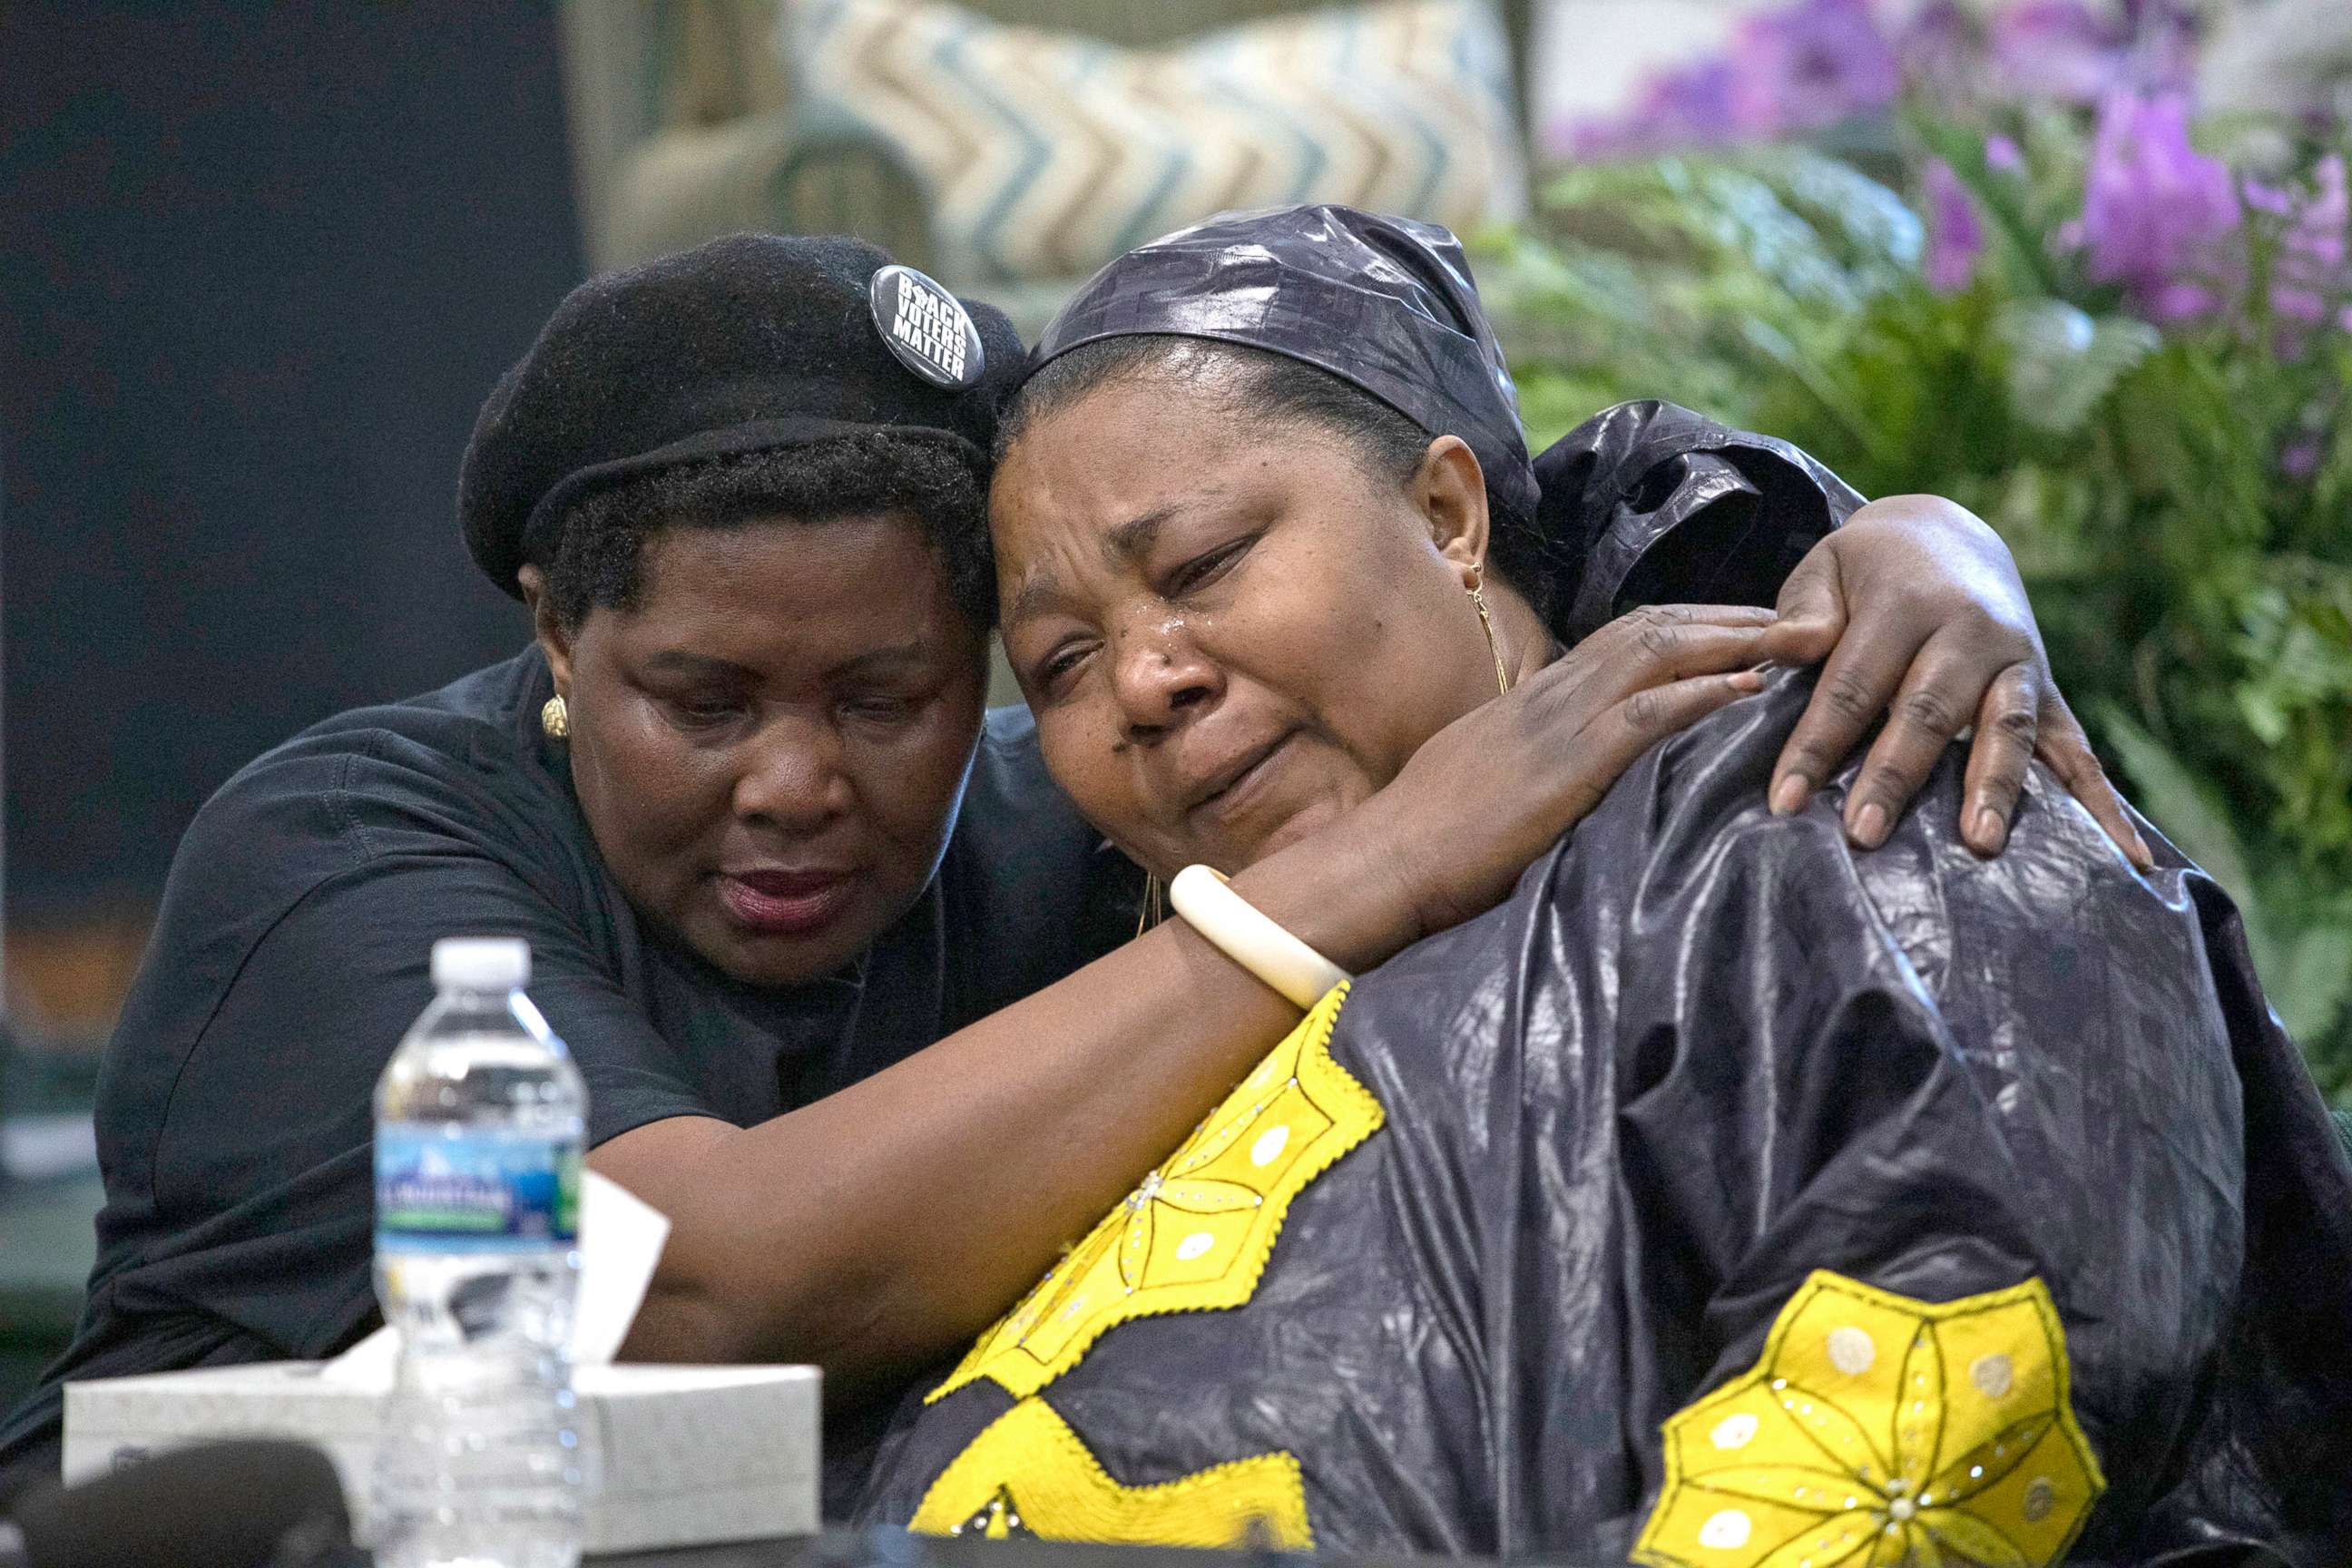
1486,624
555,719
1153,906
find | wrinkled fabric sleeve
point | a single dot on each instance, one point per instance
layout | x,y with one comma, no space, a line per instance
1936,1076
1649,503
2276,1440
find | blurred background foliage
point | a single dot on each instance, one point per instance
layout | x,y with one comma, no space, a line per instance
2123,337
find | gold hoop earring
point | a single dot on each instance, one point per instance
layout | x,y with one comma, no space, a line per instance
555,719
1486,624
1153,906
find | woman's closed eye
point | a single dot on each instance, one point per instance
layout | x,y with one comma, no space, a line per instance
1200,571
883,708
1051,674
704,718
696,713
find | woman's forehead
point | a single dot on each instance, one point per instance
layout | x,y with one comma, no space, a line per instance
1115,452
832,587
1141,445
1183,381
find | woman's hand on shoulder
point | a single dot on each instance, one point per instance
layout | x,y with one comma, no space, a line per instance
1916,607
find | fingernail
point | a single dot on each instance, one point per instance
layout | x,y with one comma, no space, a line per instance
1789,794
1746,680
1990,831
2142,853
1869,826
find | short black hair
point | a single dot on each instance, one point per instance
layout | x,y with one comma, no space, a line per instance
1275,389
939,480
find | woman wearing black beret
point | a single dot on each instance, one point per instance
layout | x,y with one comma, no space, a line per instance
742,797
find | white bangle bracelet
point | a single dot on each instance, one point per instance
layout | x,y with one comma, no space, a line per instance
1240,930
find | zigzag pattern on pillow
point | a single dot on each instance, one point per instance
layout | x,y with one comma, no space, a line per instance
1044,155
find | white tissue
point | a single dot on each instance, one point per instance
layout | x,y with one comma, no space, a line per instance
621,1239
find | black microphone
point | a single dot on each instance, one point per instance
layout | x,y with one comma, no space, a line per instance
252,1504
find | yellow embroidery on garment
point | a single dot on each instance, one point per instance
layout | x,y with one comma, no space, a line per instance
1029,1474
1878,1430
1195,1235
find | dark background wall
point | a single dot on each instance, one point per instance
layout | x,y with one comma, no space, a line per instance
258,266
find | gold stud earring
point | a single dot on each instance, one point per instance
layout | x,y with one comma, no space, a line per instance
1486,624
555,718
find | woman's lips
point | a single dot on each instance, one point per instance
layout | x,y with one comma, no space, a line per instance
1242,791
786,903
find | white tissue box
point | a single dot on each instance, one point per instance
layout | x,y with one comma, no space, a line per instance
690,1455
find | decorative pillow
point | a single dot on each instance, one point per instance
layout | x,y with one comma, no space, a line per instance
1044,155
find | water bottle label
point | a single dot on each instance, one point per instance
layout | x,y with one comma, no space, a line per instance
478,1190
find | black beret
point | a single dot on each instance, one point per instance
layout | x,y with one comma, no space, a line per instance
743,344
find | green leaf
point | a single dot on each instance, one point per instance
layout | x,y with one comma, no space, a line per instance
1876,235
2180,804
2062,364
2313,980
1818,382
2306,972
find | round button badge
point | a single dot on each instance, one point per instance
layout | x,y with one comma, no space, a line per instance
926,328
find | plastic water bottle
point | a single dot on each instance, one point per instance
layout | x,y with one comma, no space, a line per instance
480,1117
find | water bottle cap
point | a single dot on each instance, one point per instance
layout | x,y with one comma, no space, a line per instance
482,963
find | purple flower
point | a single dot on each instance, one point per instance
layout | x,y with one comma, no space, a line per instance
2153,206
2309,279
1690,108
2004,155
1941,48
2310,270
1587,141
1811,65
2057,48
2263,198
2296,303
2170,304
1955,237
2165,36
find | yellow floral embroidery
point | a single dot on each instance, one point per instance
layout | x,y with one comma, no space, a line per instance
1029,1474
1878,1430
1196,1235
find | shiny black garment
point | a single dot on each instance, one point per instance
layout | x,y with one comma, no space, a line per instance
1657,505
1701,1053
1384,303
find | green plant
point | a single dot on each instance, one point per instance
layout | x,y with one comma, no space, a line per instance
2167,458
